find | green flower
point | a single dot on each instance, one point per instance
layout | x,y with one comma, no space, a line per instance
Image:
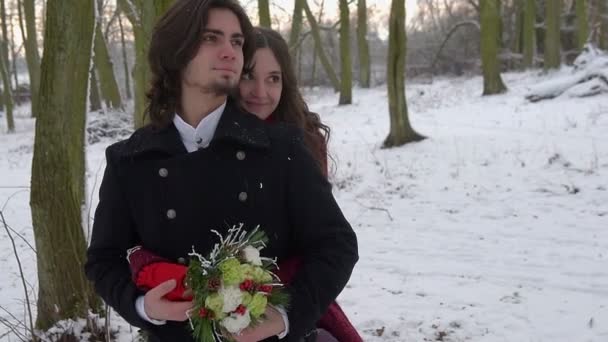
247,271
260,276
215,303
257,306
246,299
231,271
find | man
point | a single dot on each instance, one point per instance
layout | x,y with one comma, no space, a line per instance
203,164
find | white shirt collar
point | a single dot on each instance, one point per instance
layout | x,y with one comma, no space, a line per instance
199,137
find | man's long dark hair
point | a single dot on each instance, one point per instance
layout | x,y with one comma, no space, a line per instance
175,41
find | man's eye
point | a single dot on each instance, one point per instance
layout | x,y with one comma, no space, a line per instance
209,38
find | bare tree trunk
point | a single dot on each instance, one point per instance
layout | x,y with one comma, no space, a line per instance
314,49
43,18
103,64
94,97
21,21
553,10
7,94
314,27
529,34
124,58
296,24
602,23
31,53
264,13
142,32
518,29
160,7
364,62
5,44
58,166
142,14
582,24
492,82
401,131
346,86
14,53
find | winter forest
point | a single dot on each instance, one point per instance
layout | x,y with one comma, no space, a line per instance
468,151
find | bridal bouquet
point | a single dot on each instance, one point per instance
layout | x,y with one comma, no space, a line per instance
232,285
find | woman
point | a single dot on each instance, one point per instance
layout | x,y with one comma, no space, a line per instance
269,90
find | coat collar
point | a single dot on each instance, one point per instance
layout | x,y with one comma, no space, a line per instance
234,126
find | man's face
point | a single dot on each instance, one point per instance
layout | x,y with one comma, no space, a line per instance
218,63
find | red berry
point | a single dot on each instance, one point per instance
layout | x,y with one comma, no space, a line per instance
241,309
247,285
213,284
266,288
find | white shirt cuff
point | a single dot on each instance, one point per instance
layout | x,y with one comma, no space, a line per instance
283,313
141,311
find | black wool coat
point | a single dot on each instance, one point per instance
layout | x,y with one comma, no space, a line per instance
156,194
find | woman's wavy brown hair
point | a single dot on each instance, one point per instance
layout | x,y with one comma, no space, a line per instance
292,108
175,41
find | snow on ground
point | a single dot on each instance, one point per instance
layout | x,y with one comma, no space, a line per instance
493,229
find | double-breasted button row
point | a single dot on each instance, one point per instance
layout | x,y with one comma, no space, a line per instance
164,173
241,155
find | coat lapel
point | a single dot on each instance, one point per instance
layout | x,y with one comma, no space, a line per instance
150,140
234,126
243,128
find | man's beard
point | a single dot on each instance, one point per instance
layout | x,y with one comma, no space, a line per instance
223,87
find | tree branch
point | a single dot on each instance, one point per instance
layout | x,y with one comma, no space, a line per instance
447,37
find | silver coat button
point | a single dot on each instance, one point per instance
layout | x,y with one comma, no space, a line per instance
163,172
181,260
243,196
240,155
171,214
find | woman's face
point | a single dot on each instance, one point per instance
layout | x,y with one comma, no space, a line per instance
261,88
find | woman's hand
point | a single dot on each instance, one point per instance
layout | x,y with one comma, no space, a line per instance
272,325
160,308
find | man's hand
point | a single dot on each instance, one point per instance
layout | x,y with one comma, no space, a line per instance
271,326
159,308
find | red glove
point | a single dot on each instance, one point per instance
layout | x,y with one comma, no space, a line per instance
149,270
154,274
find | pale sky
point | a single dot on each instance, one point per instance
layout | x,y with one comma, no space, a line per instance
285,8
333,4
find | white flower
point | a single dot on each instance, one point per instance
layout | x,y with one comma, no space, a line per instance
232,298
235,323
252,255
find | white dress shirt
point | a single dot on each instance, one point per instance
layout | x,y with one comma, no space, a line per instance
193,139
199,137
